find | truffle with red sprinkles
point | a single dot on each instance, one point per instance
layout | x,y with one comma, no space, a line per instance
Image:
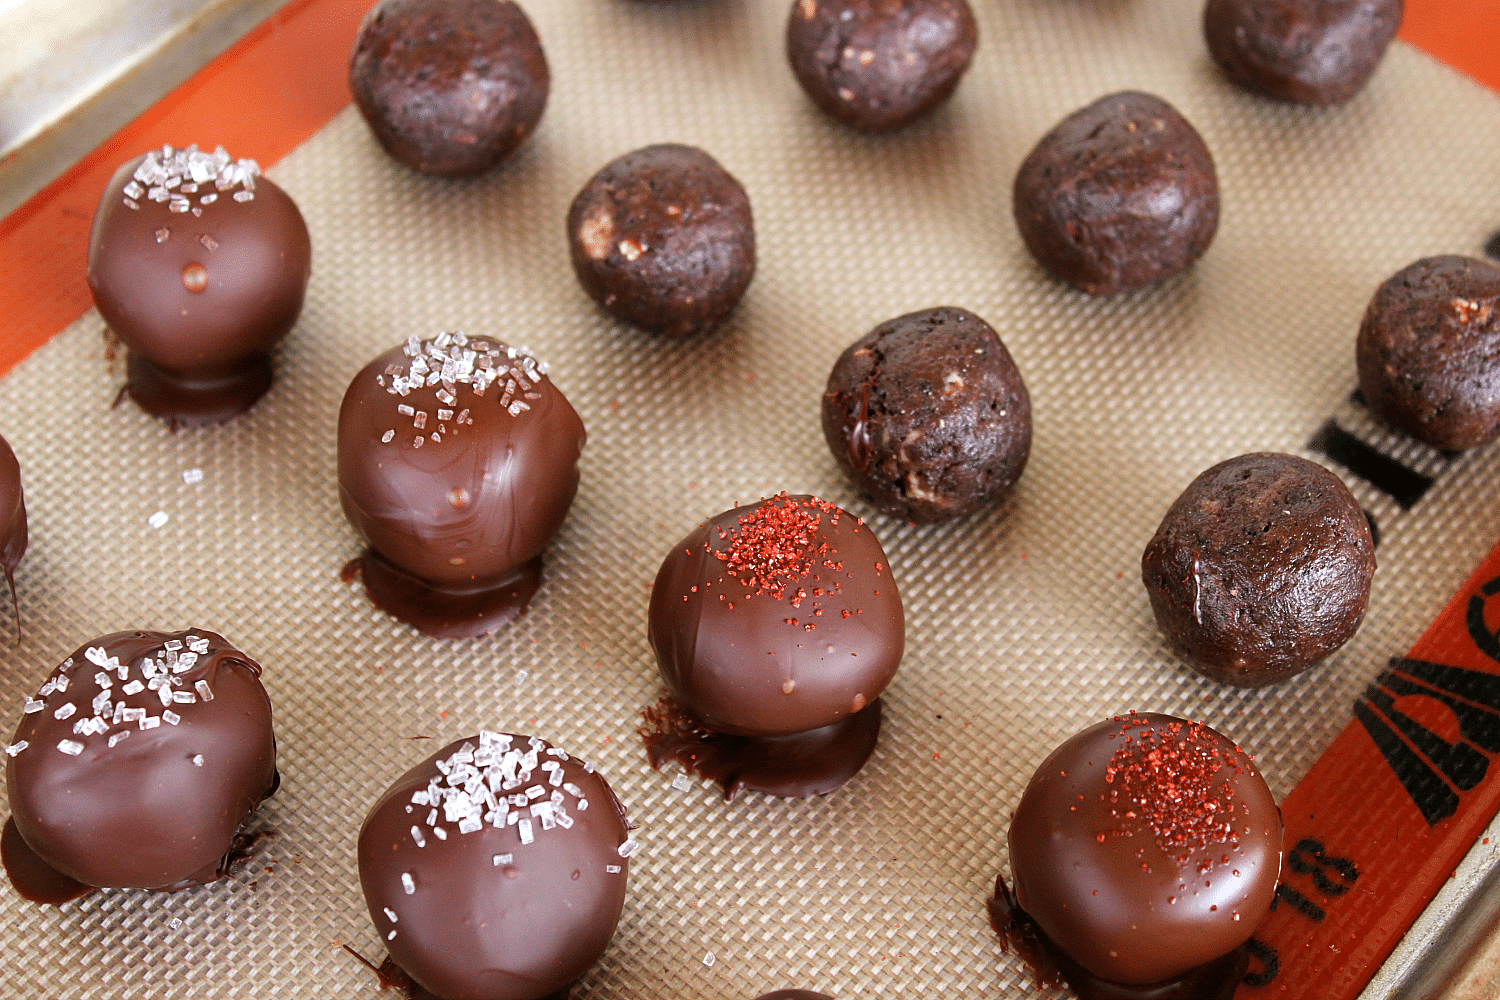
776,626
12,523
457,462
496,868
1143,849
136,765
199,265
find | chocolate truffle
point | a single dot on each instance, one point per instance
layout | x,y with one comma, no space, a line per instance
929,416
662,238
449,87
136,764
1302,51
496,868
12,524
1143,848
775,627
1261,568
457,460
1429,351
1120,195
880,64
199,265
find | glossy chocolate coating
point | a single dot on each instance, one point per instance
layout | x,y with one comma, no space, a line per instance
200,286
880,64
1146,846
1120,195
1302,51
928,415
809,629
1428,352
486,914
12,523
663,238
468,512
161,807
449,87
1261,568
795,766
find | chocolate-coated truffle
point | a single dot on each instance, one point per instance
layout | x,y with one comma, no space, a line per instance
1261,568
663,238
449,87
1302,51
199,265
775,626
136,764
1120,195
1144,847
12,524
457,461
1429,351
928,415
880,64
496,868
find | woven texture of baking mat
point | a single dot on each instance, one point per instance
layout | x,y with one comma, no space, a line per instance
1025,624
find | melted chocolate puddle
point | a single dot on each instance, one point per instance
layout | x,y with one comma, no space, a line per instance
32,877
392,976
797,766
186,400
1216,980
444,614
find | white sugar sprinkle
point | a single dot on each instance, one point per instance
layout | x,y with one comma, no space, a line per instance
134,687
204,691
708,959
197,760
16,748
158,519
33,705
71,747
175,924
682,783
628,848
66,711
192,476
117,737
153,722
387,437
521,676
613,869
408,883
416,835
502,859
524,827
440,833
170,717
391,914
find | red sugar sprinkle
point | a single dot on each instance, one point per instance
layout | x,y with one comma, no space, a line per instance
1169,777
774,545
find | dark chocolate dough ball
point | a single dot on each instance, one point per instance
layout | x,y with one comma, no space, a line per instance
880,64
1429,351
1303,51
928,415
1144,847
496,868
457,463
139,760
449,87
663,238
199,265
1261,568
1120,195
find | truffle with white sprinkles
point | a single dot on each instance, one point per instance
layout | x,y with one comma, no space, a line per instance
503,888
203,758
200,266
458,461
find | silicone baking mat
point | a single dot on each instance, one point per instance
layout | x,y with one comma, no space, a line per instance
1025,624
